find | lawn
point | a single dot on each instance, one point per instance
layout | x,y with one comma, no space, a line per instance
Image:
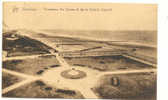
39,89
106,63
32,66
140,86
8,80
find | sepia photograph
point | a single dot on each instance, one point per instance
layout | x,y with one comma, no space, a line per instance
79,50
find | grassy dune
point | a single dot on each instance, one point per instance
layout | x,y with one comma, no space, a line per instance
22,46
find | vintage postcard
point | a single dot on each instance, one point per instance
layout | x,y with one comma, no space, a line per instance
79,50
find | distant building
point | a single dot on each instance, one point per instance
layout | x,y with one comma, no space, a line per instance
12,37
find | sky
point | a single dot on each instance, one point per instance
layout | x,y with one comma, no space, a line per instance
49,16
